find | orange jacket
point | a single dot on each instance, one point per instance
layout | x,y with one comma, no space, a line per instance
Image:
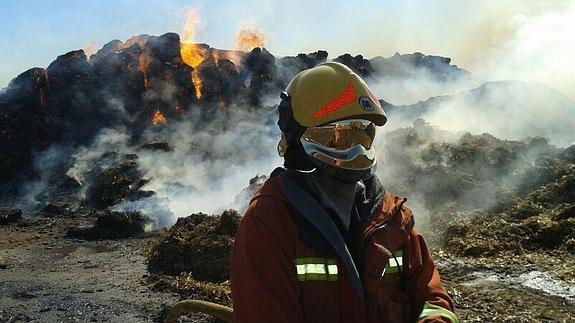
277,277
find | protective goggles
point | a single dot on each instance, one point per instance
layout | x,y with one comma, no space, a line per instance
346,144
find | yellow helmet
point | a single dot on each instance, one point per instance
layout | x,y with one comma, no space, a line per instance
330,92
329,114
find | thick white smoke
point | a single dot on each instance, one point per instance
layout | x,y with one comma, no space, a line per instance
208,166
540,49
522,86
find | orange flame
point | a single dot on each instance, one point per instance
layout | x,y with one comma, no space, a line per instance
249,38
192,54
197,80
143,62
158,118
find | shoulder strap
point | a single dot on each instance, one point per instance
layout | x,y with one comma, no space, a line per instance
318,217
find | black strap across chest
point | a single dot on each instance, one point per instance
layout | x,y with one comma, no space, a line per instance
309,208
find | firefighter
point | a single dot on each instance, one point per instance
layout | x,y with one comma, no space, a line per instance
322,240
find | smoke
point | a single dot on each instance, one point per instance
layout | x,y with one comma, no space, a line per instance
527,46
207,169
46,186
418,84
211,160
208,165
448,175
522,80
510,110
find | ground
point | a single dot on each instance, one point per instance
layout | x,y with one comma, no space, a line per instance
47,277
50,278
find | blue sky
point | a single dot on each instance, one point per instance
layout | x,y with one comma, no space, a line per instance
34,32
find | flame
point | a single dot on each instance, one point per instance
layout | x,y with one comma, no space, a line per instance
197,84
158,118
142,57
143,67
191,53
249,38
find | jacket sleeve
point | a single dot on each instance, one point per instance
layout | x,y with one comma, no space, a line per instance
431,301
263,278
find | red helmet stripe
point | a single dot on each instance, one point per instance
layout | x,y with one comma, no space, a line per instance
346,98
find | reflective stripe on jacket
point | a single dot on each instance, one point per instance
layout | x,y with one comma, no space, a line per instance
277,277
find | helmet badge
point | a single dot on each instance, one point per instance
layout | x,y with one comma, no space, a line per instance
366,103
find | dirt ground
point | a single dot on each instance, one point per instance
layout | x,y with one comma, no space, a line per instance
46,277
49,278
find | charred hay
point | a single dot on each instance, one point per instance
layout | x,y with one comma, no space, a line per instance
486,196
199,245
543,220
189,288
124,84
112,225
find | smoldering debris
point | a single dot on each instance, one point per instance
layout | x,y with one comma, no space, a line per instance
543,220
192,257
199,245
112,225
457,176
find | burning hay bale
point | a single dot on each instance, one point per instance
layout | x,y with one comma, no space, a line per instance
199,245
112,225
8,216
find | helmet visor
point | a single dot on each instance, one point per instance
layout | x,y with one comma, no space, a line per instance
345,144
342,135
